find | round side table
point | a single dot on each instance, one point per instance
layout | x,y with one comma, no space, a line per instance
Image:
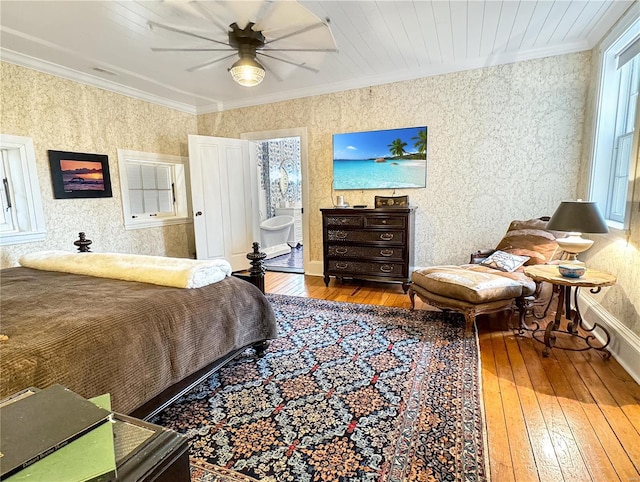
593,279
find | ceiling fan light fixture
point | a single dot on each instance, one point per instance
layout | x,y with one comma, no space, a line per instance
247,72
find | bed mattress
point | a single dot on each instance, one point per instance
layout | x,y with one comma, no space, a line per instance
129,339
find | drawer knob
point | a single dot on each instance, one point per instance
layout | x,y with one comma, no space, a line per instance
342,265
385,268
341,235
341,250
386,252
386,236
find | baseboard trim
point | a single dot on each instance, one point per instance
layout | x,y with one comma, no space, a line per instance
624,345
314,268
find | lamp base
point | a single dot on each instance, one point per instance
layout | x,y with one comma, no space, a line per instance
574,244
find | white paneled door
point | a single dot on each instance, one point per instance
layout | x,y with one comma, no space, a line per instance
224,192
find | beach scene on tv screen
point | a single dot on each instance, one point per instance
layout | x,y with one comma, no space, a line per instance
384,159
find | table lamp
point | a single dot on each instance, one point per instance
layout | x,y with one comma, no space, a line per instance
577,217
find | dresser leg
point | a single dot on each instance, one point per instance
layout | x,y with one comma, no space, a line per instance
326,280
405,286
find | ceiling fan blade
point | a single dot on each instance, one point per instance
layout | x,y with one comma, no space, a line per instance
205,13
300,50
297,32
207,64
153,24
288,62
272,72
169,49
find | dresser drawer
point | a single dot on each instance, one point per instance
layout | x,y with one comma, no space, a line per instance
336,267
352,221
365,252
385,221
388,237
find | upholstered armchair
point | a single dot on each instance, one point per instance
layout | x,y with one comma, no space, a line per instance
494,280
530,239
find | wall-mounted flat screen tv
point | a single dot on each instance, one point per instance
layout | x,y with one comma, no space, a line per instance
386,159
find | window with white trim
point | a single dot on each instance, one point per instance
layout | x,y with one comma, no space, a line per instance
154,189
616,137
22,218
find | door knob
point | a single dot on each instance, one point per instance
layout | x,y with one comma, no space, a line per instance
199,213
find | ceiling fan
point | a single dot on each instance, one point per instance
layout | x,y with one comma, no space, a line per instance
248,44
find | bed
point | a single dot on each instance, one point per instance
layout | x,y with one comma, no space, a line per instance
145,344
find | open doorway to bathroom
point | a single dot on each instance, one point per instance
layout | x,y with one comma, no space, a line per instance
280,203
300,180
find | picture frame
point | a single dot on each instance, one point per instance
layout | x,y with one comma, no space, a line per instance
391,201
79,175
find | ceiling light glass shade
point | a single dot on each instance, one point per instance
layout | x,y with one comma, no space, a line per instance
247,72
576,217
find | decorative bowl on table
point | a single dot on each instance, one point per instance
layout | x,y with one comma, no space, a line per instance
571,271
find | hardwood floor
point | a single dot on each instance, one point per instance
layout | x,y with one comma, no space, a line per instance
570,417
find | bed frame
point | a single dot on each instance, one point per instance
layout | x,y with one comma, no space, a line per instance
255,276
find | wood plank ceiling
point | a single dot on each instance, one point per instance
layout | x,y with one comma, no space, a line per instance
108,43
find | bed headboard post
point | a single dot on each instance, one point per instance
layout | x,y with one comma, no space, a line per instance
83,243
257,270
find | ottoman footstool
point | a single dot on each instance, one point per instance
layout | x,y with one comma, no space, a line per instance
465,291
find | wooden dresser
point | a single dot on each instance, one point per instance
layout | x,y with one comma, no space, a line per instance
372,244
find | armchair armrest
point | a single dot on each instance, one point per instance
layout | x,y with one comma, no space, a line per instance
480,255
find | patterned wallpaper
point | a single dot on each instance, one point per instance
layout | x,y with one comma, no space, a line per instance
505,143
63,115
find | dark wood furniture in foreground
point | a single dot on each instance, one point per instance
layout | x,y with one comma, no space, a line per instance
370,244
146,452
255,274
143,451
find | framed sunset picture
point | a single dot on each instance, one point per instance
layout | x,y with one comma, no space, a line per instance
79,175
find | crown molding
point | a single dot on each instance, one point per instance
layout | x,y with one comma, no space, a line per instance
409,74
70,74
626,21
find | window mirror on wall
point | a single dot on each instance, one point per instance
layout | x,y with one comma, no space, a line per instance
154,189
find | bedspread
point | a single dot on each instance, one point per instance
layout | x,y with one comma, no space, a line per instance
129,339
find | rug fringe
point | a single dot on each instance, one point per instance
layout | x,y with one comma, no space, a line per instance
483,412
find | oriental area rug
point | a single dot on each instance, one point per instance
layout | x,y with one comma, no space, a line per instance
347,392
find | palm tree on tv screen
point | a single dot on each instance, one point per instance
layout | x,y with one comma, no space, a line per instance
397,147
421,141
